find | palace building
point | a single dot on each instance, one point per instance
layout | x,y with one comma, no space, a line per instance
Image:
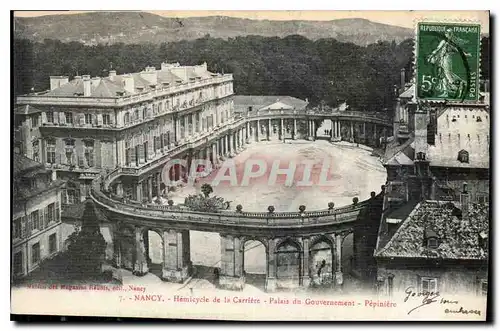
132,122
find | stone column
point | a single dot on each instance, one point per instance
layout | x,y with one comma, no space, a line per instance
186,129
158,182
119,189
310,130
231,273
138,191
269,130
313,129
282,129
150,188
140,264
271,266
294,136
332,131
352,131
306,277
176,257
247,130
200,122
257,131
117,251
338,265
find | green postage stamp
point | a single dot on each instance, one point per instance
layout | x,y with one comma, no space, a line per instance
447,61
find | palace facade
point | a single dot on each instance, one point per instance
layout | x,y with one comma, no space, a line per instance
89,125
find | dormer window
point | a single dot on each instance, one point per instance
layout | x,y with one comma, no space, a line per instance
432,243
453,119
478,119
463,156
431,239
483,240
421,156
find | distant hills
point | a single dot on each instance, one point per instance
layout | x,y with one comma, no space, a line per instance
141,27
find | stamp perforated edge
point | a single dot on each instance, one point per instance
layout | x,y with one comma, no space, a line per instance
430,19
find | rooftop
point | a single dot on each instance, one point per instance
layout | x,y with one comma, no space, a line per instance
261,102
23,165
76,211
459,237
114,85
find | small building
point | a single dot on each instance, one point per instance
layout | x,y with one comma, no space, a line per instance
434,246
36,223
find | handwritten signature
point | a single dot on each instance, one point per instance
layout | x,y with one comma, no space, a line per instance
428,297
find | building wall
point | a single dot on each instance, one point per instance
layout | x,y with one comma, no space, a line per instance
24,241
450,280
458,129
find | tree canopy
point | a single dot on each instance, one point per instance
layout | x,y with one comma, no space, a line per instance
322,70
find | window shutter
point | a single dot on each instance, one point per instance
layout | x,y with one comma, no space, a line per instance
44,218
56,212
62,118
81,119
133,156
24,224
97,148
81,160
28,225
99,119
94,119
55,115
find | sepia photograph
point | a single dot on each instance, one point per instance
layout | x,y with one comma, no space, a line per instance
251,165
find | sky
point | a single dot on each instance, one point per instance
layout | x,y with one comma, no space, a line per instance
399,18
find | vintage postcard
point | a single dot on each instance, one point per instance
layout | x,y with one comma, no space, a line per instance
274,165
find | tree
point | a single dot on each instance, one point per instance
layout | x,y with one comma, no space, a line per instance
206,189
87,246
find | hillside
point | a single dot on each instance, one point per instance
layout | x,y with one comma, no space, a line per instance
141,27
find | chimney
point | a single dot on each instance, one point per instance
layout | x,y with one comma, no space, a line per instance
57,81
464,201
403,78
128,81
112,74
86,85
421,131
95,82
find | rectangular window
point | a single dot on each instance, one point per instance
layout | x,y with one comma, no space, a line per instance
52,243
34,121
89,152
18,263
88,119
428,285
390,285
35,221
16,228
106,119
50,213
35,253
51,151
36,150
69,117
482,199
70,151
50,117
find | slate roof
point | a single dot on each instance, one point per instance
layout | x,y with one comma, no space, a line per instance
459,237
396,154
409,93
26,109
23,165
242,102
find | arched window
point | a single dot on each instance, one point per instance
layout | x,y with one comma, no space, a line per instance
463,156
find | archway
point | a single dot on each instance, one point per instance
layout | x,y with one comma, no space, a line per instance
254,263
321,262
153,243
288,264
